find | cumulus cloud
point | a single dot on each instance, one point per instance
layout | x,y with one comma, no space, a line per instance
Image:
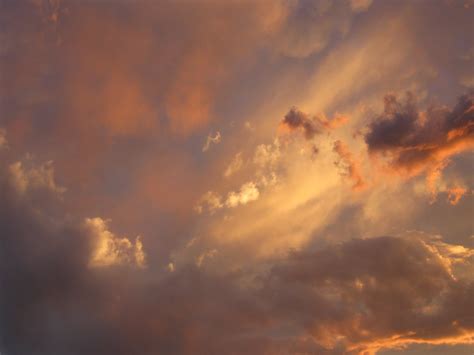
416,142
216,139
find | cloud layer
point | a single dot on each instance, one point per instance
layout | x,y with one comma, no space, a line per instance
271,177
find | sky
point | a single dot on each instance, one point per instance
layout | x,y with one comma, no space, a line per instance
236,177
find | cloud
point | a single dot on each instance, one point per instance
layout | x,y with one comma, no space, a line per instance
310,126
415,142
210,201
308,27
357,296
118,95
368,294
349,164
267,155
296,119
234,166
455,194
110,249
211,140
34,177
248,192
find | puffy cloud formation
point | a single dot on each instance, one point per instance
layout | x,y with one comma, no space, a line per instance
419,141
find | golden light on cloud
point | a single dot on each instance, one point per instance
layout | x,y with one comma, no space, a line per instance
112,250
